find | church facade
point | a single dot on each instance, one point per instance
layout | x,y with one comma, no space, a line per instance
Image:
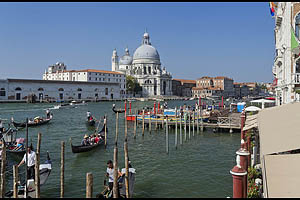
145,67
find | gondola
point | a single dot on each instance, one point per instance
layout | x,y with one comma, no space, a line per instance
91,122
85,148
118,110
32,123
45,170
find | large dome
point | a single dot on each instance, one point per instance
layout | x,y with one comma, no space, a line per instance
146,51
125,60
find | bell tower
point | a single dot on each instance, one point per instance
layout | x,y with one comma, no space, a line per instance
115,61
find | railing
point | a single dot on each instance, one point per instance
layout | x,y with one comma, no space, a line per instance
229,121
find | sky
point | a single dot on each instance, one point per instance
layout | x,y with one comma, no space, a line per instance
193,39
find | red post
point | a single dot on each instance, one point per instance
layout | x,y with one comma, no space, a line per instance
158,105
199,100
130,107
243,117
244,155
125,107
238,175
154,108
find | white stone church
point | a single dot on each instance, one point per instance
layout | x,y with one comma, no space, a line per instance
145,67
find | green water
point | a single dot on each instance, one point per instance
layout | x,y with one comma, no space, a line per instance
198,168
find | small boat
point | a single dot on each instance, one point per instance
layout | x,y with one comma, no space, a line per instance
118,110
75,103
91,121
12,148
37,122
45,170
85,148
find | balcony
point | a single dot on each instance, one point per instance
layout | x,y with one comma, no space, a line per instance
296,78
278,20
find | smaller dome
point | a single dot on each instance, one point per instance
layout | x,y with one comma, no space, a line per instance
146,35
126,60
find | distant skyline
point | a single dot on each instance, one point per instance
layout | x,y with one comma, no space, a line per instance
193,39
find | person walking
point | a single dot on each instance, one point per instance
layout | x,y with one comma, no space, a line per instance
30,163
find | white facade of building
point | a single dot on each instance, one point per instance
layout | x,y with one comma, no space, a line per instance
145,67
20,89
286,69
59,72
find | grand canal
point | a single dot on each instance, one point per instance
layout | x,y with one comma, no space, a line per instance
198,168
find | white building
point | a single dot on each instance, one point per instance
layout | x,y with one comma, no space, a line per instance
20,89
145,66
286,69
59,72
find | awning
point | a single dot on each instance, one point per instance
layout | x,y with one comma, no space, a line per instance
281,175
252,109
251,122
279,128
262,101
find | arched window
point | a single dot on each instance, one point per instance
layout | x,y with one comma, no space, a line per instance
297,26
96,89
2,92
79,89
61,89
40,89
18,89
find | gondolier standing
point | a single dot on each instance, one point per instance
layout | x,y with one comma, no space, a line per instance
1,127
30,163
48,113
88,114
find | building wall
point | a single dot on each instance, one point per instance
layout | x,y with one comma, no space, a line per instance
53,89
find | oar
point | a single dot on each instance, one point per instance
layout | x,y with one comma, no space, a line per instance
98,125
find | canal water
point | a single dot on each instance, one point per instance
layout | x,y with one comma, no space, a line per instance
198,168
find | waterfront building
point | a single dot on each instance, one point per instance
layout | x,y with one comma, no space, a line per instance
286,68
59,72
145,67
57,90
241,90
183,87
213,86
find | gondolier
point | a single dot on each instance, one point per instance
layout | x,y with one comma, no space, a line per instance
30,163
48,113
1,127
88,115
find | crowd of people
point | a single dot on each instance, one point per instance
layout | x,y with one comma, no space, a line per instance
92,139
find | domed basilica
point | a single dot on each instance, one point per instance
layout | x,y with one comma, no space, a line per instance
145,67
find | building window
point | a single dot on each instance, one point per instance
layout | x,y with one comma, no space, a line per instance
18,89
297,26
61,89
2,92
79,89
106,91
96,79
40,89
90,78
109,79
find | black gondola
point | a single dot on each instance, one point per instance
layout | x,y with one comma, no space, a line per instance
91,122
85,148
118,110
32,123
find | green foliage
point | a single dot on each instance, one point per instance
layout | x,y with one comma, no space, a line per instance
253,189
132,85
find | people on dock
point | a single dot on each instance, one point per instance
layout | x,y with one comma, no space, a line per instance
30,163
110,174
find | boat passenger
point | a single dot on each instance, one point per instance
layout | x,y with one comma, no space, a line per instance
19,145
88,114
110,174
85,140
97,139
30,163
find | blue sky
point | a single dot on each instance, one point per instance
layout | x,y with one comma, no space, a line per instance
193,39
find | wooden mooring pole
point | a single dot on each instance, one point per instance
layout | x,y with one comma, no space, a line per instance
105,130
180,128
189,125
62,169
150,123
167,135
3,166
198,116
37,167
134,128
185,117
16,176
193,123
26,166
89,185
126,168
201,121
176,128
143,122
115,184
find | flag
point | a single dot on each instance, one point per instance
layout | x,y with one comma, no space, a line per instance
272,8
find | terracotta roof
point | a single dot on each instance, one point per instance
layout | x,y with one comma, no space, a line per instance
185,81
209,88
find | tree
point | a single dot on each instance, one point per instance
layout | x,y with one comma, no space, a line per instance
132,85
